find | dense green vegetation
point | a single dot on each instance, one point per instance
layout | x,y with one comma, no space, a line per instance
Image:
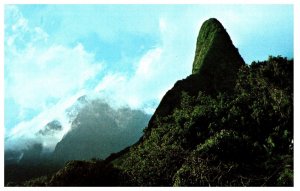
243,138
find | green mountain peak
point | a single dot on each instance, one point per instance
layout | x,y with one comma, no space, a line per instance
216,58
206,39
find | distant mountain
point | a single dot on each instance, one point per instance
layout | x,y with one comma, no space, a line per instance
99,130
227,124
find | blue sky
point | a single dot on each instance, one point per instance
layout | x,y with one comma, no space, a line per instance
128,54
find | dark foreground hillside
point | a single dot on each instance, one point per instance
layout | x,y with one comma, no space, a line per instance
227,124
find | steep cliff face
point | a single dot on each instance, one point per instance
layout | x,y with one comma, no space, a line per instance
215,68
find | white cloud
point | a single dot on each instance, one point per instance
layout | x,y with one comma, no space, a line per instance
35,72
156,71
36,75
110,81
26,132
149,63
136,90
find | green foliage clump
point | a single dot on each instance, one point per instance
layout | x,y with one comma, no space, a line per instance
218,162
